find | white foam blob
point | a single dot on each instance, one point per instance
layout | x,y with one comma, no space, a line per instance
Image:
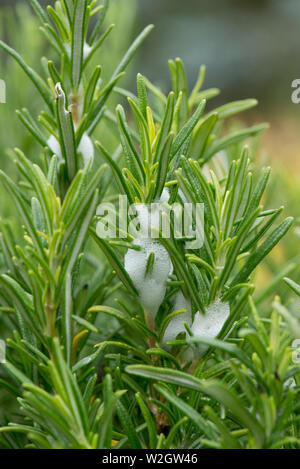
164,198
86,50
149,215
210,324
86,148
54,146
151,286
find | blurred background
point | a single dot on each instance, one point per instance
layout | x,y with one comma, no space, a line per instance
250,47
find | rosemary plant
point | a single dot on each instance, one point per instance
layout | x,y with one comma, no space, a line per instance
133,342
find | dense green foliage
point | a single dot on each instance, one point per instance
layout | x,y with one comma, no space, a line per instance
87,365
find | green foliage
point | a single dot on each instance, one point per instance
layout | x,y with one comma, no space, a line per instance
87,365
251,404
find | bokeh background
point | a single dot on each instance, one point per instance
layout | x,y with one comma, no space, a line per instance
250,47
